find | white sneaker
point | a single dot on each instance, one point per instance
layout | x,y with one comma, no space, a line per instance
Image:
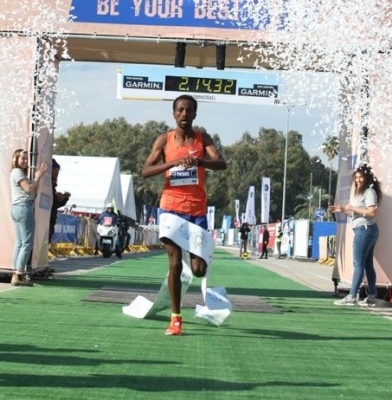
370,301
349,300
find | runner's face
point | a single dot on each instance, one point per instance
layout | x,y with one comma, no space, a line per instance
184,114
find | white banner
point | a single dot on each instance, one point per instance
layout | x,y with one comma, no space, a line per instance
195,240
243,218
265,199
237,210
211,218
250,207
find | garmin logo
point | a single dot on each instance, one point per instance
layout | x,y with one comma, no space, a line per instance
141,82
259,91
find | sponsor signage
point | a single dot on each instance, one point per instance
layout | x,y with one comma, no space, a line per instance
319,213
216,14
65,230
147,82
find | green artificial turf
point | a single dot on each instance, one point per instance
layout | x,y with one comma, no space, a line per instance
54,345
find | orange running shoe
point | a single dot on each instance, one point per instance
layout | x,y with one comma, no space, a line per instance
174,327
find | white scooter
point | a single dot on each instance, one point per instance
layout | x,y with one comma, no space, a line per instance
107,239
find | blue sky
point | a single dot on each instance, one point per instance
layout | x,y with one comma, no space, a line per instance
87,93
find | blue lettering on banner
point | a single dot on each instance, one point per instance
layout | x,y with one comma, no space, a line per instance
45,202
221,14
65,229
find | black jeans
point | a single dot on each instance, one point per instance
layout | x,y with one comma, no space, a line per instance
265,251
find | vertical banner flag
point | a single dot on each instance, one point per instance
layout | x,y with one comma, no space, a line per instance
211,218
243,218
226,223
237,210
265,199
250,207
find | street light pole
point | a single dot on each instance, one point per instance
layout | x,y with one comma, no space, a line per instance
289,107
329,189
319,197
310,195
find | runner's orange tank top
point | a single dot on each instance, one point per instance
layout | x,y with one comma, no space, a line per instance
184,190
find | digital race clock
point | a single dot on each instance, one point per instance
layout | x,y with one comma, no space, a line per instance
200,85
154,82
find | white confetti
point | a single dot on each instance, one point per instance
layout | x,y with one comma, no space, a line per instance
333,52
44,31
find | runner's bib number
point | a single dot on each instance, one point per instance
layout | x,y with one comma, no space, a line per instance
181,177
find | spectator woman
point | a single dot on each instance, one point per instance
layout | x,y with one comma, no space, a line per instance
23,191
367,195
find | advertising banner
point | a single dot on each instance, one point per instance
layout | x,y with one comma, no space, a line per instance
250,216
224,20
265,200
243,218
231,14
211,217
237,212
65,230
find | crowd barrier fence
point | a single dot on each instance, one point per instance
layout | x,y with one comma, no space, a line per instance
76,236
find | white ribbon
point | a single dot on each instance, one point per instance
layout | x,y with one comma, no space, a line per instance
193,239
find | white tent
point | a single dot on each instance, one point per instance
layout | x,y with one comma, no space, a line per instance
92,181
129,207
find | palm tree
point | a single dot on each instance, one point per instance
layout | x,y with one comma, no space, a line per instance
148,191
309,202
331,149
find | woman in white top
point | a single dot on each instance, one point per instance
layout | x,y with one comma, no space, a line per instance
22,212
367,195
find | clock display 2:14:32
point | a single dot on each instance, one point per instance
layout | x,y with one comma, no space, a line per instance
200,85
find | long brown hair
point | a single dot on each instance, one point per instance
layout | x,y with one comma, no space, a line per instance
15,160
370,181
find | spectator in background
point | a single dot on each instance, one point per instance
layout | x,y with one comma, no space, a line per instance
244,237
23,191
59,199
123,226
279,237
69,211
266,237
109,218
363,210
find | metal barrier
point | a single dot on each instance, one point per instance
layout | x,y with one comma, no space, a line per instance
83,242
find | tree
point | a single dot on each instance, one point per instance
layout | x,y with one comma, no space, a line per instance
249,160
331,149
309,202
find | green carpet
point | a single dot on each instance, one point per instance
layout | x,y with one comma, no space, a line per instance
54,345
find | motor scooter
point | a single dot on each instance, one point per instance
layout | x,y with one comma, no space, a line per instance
107,239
